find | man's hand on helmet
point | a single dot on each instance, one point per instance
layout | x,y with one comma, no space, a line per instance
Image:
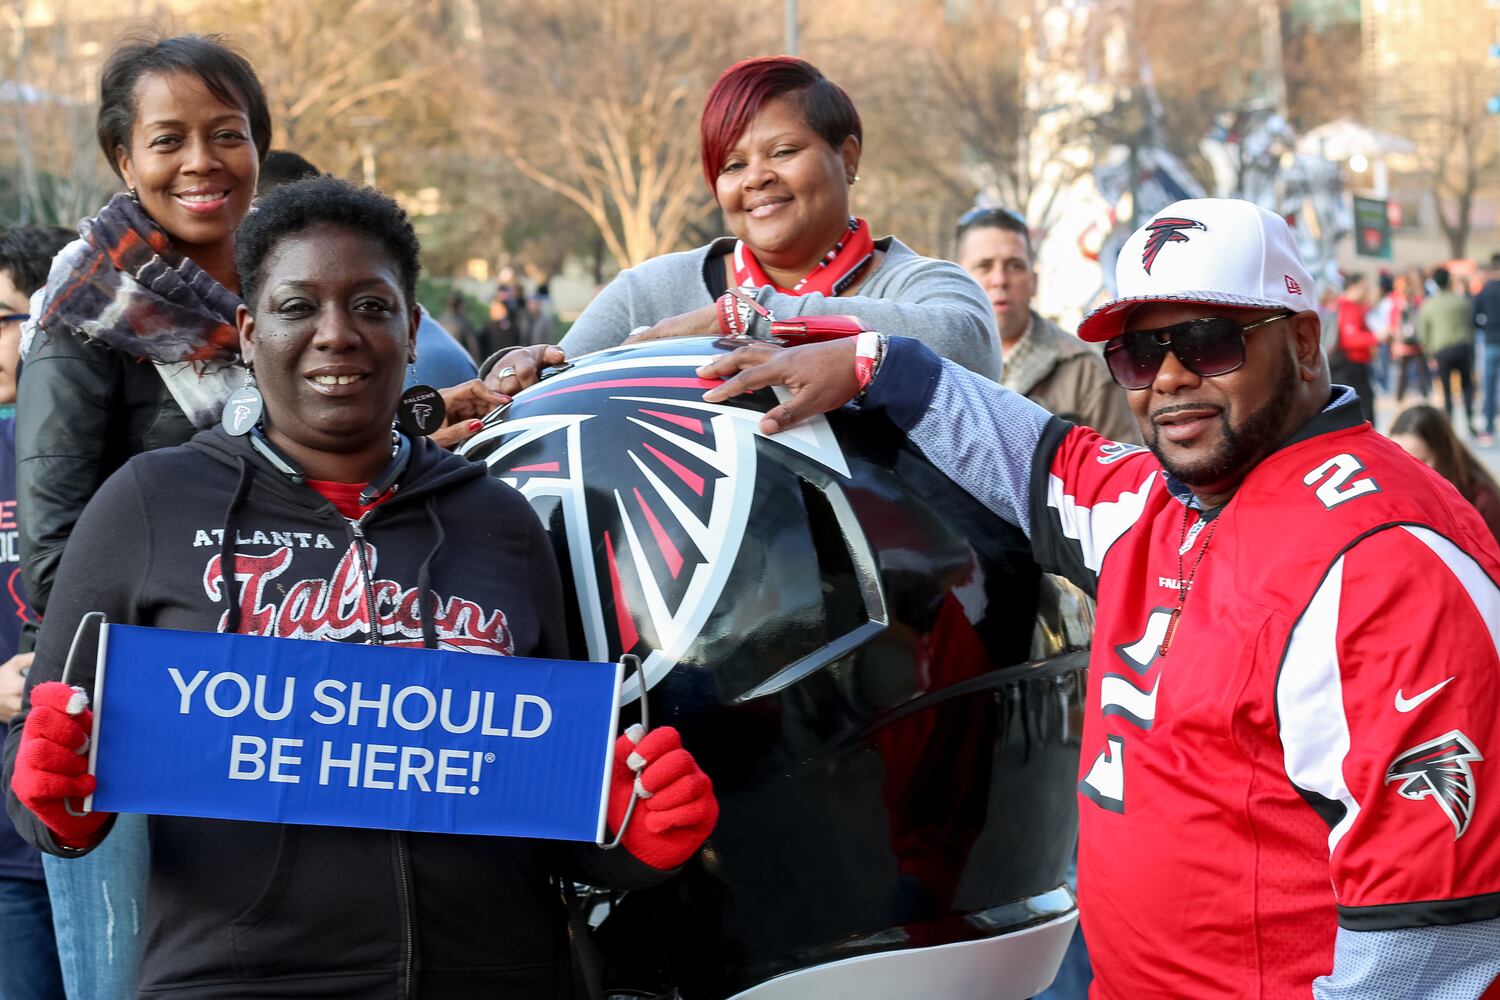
820,376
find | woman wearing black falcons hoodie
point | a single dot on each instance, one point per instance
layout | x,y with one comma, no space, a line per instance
237,909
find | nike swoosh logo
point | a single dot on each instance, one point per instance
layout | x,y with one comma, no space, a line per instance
1407,704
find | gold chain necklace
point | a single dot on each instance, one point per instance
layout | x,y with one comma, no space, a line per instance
1184,584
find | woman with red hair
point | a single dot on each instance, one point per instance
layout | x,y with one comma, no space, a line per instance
781,145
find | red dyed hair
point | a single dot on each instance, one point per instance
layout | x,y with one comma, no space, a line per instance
744,88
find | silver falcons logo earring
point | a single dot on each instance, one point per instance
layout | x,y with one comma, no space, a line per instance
243,408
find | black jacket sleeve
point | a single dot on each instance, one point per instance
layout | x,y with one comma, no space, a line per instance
85,409
67,396
105,568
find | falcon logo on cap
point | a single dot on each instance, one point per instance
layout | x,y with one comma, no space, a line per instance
1164,231
1440,770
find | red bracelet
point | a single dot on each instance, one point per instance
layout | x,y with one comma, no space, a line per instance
868,347
729,316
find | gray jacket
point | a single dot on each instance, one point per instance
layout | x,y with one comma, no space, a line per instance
907,294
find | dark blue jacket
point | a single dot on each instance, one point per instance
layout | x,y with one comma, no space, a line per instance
1485,312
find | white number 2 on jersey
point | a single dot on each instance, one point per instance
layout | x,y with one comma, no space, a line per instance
1341,484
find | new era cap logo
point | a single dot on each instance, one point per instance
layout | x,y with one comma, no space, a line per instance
1164,231
1292,285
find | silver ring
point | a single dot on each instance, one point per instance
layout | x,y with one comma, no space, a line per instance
505,372
639,330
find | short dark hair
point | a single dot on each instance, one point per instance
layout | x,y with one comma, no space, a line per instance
744,88
1495,261
1354,278
226,74
319,201
1440,277
992,218
282,166
26,253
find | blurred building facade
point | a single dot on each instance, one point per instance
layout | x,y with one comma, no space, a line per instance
1427,73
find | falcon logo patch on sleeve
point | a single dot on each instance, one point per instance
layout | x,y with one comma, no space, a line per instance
1113,451
1439,769
1164,231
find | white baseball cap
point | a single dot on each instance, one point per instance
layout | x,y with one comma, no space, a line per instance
1218,251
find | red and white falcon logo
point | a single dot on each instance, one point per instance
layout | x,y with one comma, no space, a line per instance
654,533
1439,769
1164,231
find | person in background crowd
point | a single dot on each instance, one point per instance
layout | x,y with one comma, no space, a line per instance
1328,317
1426,434
503,331
455,319
441,360
1448,339
1384,321
132,348
282,167
508,289
1484,314
781,146
241,909
29,968
1350,363
1043,362
1406,347
1294,685
541,321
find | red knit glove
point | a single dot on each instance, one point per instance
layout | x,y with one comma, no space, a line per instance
52,764
678,810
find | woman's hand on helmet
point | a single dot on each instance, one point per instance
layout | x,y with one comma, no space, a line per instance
702,322
511,371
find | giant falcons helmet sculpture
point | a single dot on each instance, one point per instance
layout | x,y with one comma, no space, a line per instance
884,688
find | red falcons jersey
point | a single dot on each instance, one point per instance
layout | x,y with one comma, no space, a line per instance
1319,744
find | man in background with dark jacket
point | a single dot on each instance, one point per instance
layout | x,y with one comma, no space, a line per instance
1485,315
28,948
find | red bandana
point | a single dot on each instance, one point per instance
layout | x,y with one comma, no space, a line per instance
834,273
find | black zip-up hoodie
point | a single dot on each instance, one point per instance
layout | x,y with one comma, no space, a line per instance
236,909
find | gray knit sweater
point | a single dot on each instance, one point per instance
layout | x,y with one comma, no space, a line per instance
907,295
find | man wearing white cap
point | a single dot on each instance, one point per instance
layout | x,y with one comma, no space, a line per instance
1294,692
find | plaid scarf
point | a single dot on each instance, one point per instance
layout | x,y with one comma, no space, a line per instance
124,285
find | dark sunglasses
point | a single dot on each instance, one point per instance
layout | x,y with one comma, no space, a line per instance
988,216
1213,345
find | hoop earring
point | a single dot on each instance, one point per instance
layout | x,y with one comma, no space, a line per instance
243,408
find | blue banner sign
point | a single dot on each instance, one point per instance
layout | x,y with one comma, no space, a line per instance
338,734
